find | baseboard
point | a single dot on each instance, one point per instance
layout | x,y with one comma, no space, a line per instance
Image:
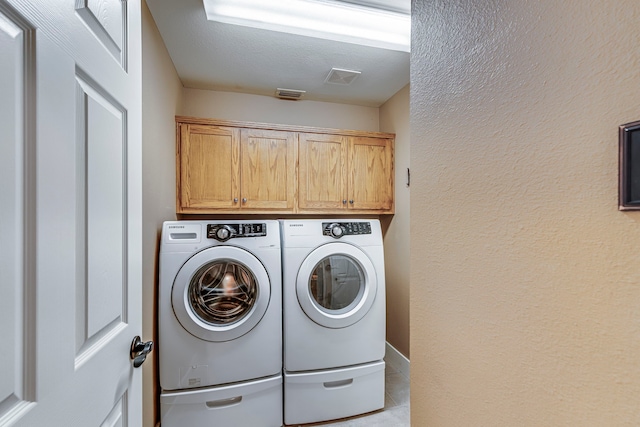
396,359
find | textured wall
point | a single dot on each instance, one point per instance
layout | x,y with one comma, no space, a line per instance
525,278
394,118
161,99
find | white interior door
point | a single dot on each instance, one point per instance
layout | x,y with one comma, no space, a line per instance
70,212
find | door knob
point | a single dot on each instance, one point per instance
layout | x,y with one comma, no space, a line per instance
139,351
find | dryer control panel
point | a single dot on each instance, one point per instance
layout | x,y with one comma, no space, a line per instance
339,229
224,232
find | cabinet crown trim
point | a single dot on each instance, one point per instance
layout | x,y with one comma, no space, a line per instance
281,127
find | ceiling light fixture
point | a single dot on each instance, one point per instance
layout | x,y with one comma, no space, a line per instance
326,19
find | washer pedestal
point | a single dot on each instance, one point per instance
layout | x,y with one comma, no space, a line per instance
249,404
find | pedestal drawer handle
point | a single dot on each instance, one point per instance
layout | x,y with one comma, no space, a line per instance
335,384
223,402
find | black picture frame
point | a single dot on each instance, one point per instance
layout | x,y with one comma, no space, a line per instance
629,167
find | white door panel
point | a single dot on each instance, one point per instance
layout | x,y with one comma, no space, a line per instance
101,126
14,36
106,20
70,212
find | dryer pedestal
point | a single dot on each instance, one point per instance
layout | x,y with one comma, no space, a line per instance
331,394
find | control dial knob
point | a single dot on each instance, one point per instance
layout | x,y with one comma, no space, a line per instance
336,231
223,233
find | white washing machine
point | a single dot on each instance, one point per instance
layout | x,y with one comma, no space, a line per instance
334,318
220,323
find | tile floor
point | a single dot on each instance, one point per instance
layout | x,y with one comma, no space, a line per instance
396,405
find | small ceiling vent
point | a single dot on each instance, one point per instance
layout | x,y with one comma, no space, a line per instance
341,76
290,93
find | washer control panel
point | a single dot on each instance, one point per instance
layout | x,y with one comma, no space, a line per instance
339,229
224,232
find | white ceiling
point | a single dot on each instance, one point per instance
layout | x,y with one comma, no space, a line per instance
223,57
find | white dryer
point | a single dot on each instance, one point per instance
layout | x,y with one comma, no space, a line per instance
220,323
334,318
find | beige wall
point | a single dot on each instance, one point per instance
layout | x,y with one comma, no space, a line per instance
394,118
266,109
161,98
525,280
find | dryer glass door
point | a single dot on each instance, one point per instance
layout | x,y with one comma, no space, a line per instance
221,293
336,285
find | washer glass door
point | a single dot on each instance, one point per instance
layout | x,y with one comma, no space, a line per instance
336,285
221,293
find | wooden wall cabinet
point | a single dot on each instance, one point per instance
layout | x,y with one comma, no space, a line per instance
208,167
268,170
237,167
371,173
223,168
323,168
339,173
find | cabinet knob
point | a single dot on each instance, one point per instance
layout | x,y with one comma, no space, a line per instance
244,200
351,201
344,201
235,200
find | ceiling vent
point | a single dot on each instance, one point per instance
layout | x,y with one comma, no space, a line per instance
293,94
340,76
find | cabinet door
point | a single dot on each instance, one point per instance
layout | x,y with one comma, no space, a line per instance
208,168
268,170
323,172
371,174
